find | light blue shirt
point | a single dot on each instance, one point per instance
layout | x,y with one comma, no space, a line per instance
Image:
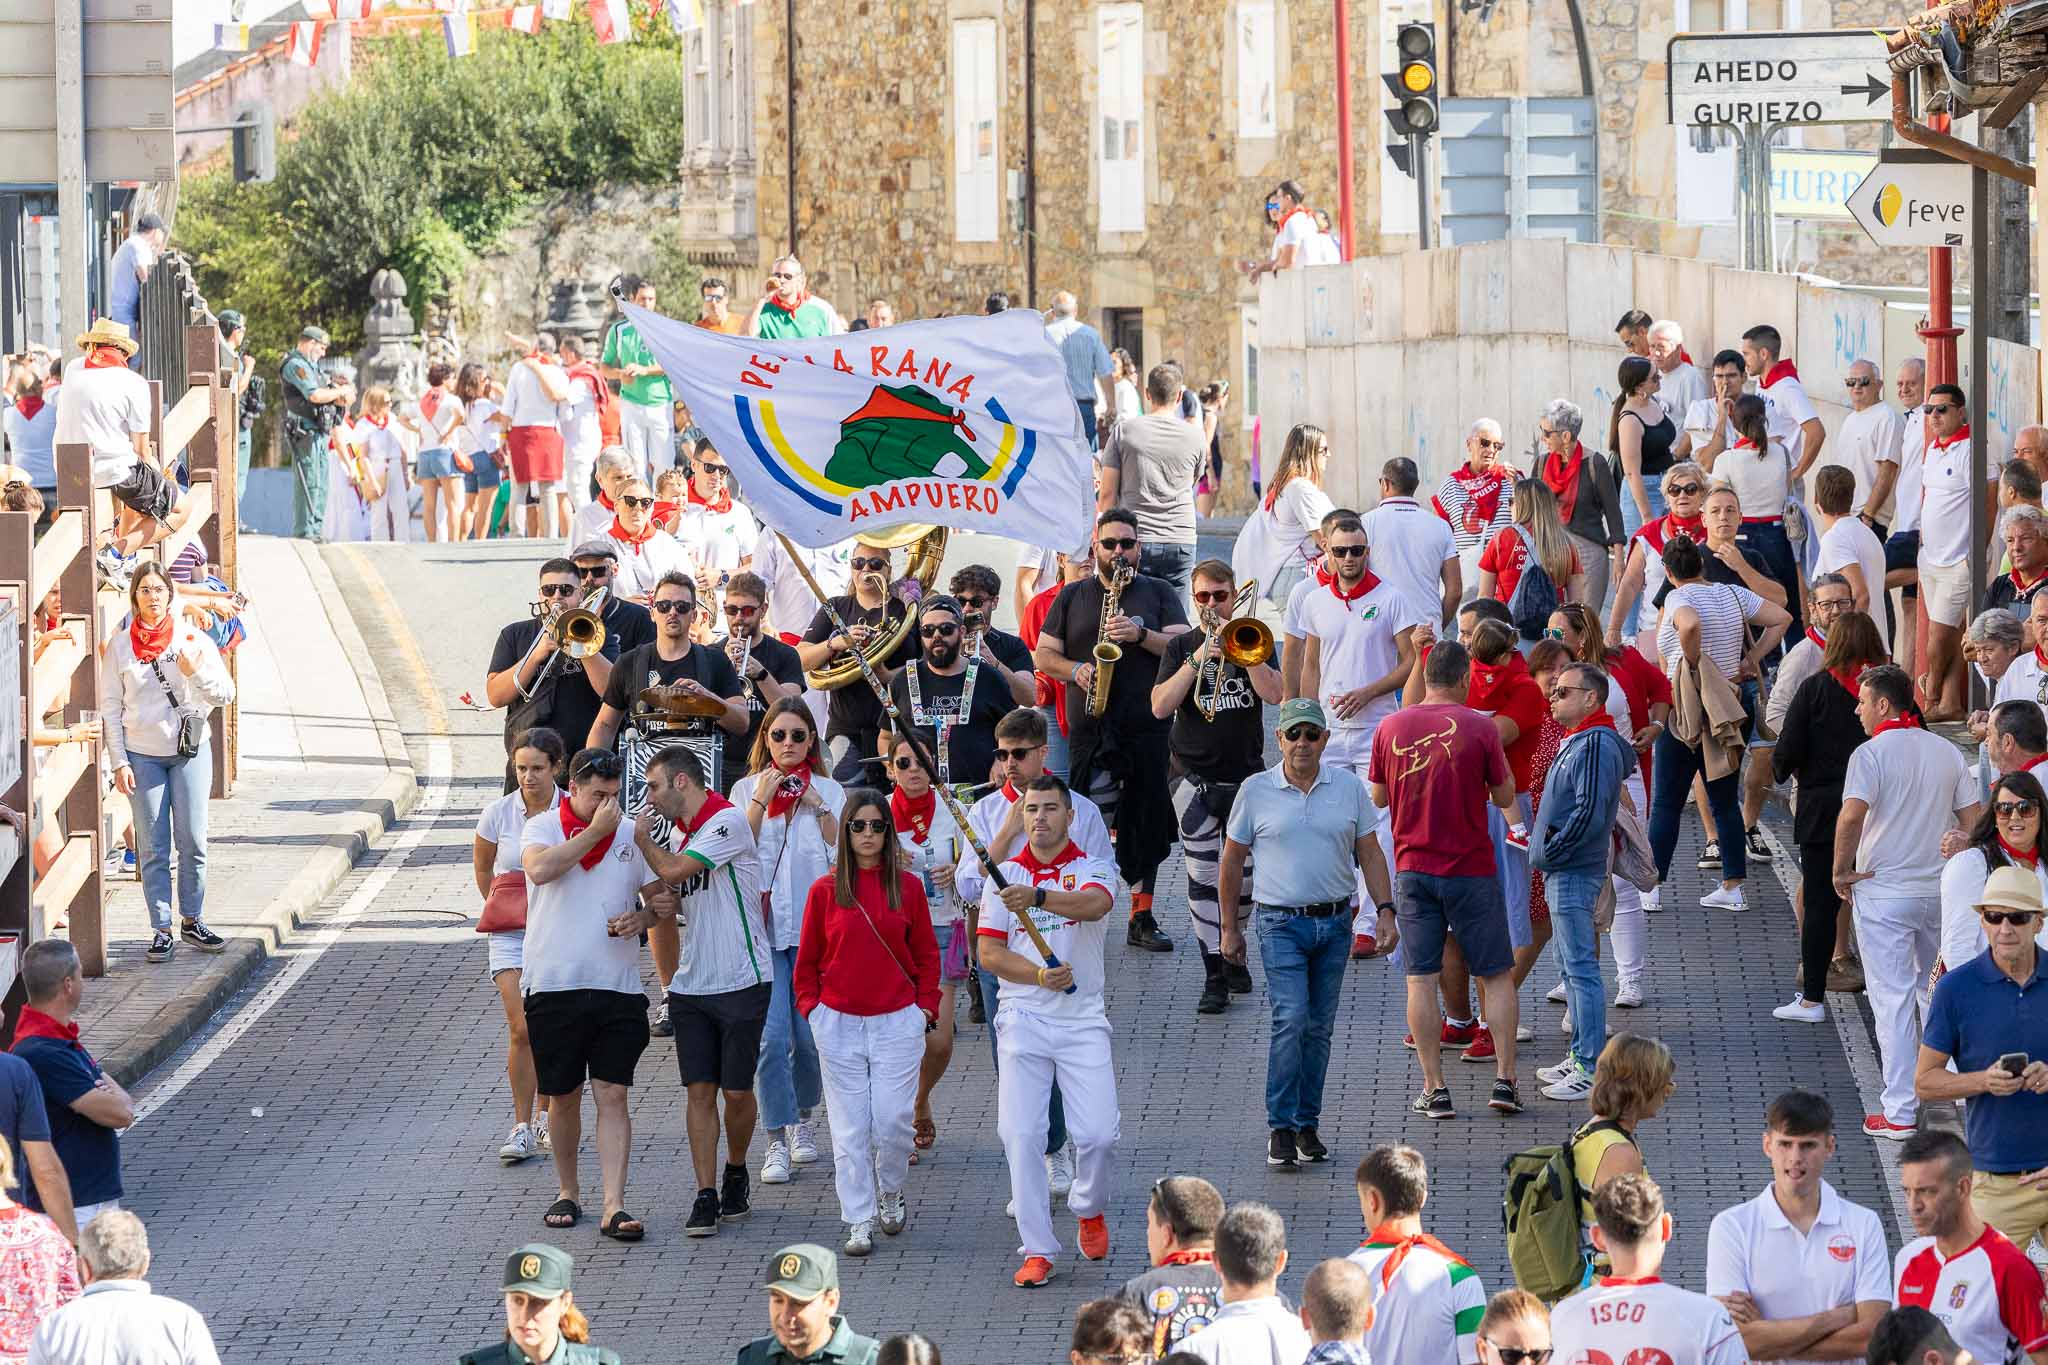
124,291
1085,356
1304,844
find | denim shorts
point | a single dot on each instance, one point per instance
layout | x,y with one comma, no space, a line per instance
484,476
1429,907
438,463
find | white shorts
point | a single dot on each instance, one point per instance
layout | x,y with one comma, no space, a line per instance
508,951
1945,590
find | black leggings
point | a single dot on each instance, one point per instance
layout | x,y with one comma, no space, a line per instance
1817,928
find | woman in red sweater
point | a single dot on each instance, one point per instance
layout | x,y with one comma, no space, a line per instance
867,979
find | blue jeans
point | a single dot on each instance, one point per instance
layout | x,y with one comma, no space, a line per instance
1673,767
1056,1109
1304,960
1170,561
1578,953
169,804
1086,407
787,1080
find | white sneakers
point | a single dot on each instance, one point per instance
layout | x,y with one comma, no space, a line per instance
803,1142
894,1214
1724,898
1564,1023
540,1133
1556,994
1575,1084
1059,1173
860,1238
1629,994
775,1166
1799,1011
1652,900
520,1146
1524,1033
1547,1074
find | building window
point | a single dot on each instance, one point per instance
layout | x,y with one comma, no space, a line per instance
700,128
1255,70
975,201
1120,95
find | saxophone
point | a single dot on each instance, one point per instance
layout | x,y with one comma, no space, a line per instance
1107,651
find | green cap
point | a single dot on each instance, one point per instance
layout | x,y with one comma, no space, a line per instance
312,333
230,320
1296,710
538,1269
803,1271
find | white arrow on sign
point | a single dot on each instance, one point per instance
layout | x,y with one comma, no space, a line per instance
1914,198
1828,76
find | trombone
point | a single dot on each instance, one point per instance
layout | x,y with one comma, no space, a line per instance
578,633
1243,640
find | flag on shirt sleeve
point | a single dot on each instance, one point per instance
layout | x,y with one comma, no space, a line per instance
460,31
231,37
305,42
612,20
526,18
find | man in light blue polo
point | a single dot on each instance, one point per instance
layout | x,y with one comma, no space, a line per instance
1087,361
1310,824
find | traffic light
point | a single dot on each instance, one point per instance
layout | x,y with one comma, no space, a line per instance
1413,82
255,143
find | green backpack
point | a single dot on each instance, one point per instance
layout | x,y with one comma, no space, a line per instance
1540,1214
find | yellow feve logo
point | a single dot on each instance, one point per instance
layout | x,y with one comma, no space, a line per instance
529,1267
1889,202
790,1266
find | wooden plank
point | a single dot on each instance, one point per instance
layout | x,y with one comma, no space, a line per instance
55,551
58,666
199,510
59,887
61,772
183,422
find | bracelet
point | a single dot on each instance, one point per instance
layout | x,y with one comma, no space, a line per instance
1383,905
1041,977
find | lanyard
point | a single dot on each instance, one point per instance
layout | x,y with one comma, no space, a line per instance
946,712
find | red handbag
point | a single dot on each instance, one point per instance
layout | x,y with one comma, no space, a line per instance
505,907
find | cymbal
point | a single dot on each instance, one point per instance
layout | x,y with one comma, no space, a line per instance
676,703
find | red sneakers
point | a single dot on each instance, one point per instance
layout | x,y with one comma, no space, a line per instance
1457,1037
1364,945
1878,1126
1094,1237
1481,1047
1036,1270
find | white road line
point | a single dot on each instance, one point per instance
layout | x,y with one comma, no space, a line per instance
413,832
1858,1046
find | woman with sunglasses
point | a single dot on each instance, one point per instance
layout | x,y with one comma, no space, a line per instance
867,979
538,763
792,808
1587,501
931,845
1296,503
645,551
1515,1330
1642,573
2008,834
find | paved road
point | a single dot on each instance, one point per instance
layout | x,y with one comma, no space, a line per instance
330,1179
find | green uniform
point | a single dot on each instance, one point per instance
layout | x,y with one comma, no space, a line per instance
308,446
566,1353
847,1347
776,323
624,347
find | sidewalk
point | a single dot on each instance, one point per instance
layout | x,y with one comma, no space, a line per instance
323,772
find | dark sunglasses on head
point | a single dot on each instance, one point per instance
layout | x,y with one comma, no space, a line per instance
2021,918
595,570
1683,490
865,564
1018,754
602,766
1219,595
789,736
740,609
628,500
1515,1355
1302,734
1118,542
938,630
860,826
674,605
2021,806
1345,551
559,590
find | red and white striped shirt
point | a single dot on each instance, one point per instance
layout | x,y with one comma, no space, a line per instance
1989,1296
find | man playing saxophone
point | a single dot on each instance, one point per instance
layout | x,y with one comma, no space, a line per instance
1118,748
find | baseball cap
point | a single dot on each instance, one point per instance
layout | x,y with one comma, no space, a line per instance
1298,710
803,1271
538,1269
230,320
312,333
596,549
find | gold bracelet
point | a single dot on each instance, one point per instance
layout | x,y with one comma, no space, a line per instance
1041,978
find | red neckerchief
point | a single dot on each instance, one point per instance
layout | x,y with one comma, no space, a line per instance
788,793
1189,1258
1850,678
1028,860
430,403
1659,532
1744,443
2036,761
1594,721
1784,369
1384,1236
573,825
1324,578
2032,859
1482,493
378,422
914,813
1561,476
604,500
1609,1281
1905,722
1944,442
1684,356
2020,587
149,642
1292,214
1819,641
1490,682
724,503
803,297
46,624
35,1024
2040,657
625,537
587,372
713,803
1365,585
666,515
105,358
28,405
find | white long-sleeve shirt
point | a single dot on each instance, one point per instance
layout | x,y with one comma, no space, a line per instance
1088,831
135,712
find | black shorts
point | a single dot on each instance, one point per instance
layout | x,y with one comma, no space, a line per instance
1902,551
147,492
576,1035
718,1037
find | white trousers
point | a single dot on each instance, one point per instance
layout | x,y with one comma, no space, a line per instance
1899,935
1034,1051
1631,931
581,463
870,1064
647,431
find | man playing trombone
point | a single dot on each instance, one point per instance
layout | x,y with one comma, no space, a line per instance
1215,682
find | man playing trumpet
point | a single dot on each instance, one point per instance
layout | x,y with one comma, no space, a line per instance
769,670
853,725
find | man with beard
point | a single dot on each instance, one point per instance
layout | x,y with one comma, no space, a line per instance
769,669
979,589
951,699
1119,758
853,726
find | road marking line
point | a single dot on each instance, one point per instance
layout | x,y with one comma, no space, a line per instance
1857,1045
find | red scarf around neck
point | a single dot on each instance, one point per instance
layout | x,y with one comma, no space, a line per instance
378,422
2025,857
149,642
913,814
1944,442
28,405
604,500
624,537
1905,722
1490,682
105,358
790,787
1365,585
1189,1258
1561,476
1784,369
573,825
1820,641
1595,721
1384,1235
587,372
724,503
1482,493
803,296
1658,533
1850,678
2019,587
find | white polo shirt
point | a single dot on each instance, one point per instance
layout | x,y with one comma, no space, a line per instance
717,540
103,407
567,948
1912,459
1788,408
1644,1320
1754,1249
1088,829
1411,545
1358,648
1945,500
2025,679
641,566
1914,782
725,943
1075,943
1861,443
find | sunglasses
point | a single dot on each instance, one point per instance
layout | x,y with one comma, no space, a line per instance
2019,918
858,826
1858,383
1345,551
865,564
789,736
603,570
1485,444
1220,595
906,764
1118,542
1301,734
600,765
559,590
1684,490
1515,1355
722,471
780,275
714,298
670,605
937,631
1936,409
975,601
1563,690
2020,807
1552,633
1018,755
628,500
741,610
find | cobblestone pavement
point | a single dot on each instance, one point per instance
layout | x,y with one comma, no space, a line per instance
331,1179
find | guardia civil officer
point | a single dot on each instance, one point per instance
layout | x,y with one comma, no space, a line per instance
543,1326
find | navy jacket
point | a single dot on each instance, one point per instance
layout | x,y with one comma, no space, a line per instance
1580,798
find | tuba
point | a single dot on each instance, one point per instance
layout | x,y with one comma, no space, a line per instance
928,547
1242,640
1107,651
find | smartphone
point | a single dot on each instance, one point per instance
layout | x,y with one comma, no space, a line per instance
2012,1063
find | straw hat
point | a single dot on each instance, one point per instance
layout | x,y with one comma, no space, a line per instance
2011,888
107,332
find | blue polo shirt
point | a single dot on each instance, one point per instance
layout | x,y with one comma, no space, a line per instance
1304,843
91,1152
1977,1016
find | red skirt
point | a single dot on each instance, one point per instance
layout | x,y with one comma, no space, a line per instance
536,454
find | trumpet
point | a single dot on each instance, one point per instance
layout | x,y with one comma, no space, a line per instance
1107,652
740,648
576,632
1245,641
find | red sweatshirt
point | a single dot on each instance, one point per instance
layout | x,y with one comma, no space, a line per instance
843,963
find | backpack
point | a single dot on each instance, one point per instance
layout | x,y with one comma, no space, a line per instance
1540,1214
1535,596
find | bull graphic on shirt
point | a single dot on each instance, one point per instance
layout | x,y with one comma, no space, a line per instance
902,432
1416,755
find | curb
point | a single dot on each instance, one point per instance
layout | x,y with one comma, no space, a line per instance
351,836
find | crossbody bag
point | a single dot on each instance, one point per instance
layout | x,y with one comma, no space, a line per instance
191,723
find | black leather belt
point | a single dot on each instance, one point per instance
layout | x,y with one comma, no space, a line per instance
1320,910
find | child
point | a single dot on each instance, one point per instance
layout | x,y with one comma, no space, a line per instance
390,512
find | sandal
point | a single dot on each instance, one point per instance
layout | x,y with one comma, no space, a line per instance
563,1213
925,1134
623,1227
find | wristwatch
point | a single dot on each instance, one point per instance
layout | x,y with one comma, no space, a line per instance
1038,897
1384,905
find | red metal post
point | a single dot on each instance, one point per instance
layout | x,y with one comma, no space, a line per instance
1940,330
1344,171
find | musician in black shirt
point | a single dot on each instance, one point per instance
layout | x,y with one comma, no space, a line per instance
771,669
853,718
978,589
929,691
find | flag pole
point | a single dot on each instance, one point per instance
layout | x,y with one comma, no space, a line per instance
917,746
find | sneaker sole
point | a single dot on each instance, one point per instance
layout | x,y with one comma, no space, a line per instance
1444,1114
1281,1164
1033,1284
204,947
153,956
1505,1106
767,1179
692,1230
1469,1056
514,1158
739,1217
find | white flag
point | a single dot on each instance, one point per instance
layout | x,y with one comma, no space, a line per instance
305,48
964,422
554,11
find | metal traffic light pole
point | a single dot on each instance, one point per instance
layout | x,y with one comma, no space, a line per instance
1418,160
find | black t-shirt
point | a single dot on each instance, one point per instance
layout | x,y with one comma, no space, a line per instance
783,665
855,710
971,745
570,703
644,667
1013,652
1075,621
1718,572
1229,748
2003,592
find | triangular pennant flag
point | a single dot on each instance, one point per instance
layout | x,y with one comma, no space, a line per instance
612,20
352,9
305,49
460,31
526,18
231,37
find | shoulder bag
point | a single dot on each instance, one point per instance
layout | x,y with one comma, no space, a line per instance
875,929
191,722
505,907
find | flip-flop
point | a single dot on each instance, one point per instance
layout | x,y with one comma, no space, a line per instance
925,1134
563,1213
623,1227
